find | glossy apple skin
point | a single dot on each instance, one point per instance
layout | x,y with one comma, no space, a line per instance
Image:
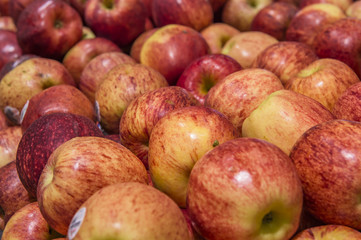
283,117
156,215
187,134
139,42
103,162
348,105
285,59
7,23
323,80
274,19
238,94
84,51
93,73
343,4
309,21
323,155
203,73
27,223
168,51
121,21
230,191
119,87
9,140
42,137
329,42
60,98
245,46
142,114
9,47
328,232
194,14
28,79
217,34
54,24
13,195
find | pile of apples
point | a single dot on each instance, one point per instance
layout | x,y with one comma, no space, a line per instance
169,119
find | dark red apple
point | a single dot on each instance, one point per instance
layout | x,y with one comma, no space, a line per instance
9,47
331,42
274,19
203,73
195,14
348,105
49,28
16,7
121,21
4,7
42,137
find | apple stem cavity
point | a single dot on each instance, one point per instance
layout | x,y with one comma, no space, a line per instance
108,4
58,24
252,3
207,84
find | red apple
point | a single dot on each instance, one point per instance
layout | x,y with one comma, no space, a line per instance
119,87
7,23
343,4
217,34
245,188
42,137
274,19
48,28
238,94
139,42
87,164
328,158
203,73
13,195
9,47
323,80
94,72
330,42
117,212
79,5
283,117
121,21
195,14
245,46
84,51
348,105
309,21
142,114
168,51
28,79
285,59
4,7
240,13
16,7
3,121
178,141
9,140
28,223
60,98
325,232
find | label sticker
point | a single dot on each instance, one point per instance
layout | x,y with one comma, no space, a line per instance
76,222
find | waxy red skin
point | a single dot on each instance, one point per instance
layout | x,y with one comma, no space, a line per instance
218,200
274,19
348,105
206,70
49,28
194,14
328,162
330,42
42,137
121,22
9,47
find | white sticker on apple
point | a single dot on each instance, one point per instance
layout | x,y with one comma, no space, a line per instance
76,222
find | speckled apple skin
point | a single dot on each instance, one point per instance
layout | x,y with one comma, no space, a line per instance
330,42
348,105
13,195
143,113
9,140
328,232
42,137
328,161
118,212
285,59
77,169
234,185
178,141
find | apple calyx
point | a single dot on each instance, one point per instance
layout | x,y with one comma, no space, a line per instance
252,3
108,4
